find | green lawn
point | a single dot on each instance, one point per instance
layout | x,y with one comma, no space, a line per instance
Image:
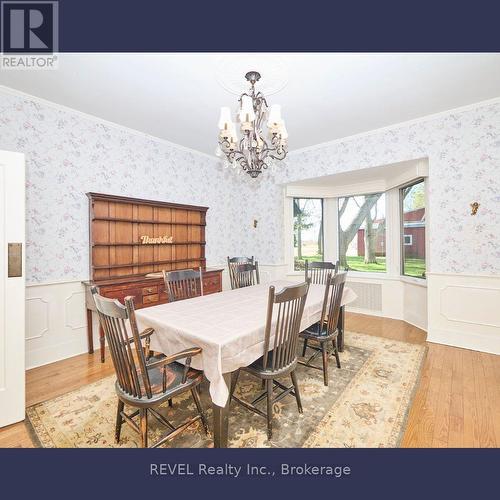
413,267
357,264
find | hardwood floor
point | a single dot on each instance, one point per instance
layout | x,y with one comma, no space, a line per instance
457,402
50,381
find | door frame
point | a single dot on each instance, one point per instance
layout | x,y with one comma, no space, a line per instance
12,289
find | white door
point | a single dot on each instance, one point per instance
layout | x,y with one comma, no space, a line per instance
12,252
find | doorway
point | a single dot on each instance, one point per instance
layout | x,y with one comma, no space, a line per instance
12,287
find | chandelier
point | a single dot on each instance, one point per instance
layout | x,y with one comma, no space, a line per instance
253,152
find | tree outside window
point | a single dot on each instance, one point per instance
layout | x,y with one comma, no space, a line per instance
362,242
308,241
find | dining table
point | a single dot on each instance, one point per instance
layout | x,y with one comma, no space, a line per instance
229,327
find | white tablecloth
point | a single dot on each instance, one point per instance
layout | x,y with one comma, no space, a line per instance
228,326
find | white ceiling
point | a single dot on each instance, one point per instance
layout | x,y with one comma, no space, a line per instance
323,96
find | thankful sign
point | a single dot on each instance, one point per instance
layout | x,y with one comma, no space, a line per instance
147,240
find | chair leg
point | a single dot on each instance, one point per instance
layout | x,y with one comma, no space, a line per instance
234,381
119,420
336,352
143,412
304,349
296,390
324,352
269,385
197,402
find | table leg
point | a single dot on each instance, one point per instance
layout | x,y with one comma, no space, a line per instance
90,333
221,419
341,324
102,343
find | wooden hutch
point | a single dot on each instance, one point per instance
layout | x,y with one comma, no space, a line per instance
131,239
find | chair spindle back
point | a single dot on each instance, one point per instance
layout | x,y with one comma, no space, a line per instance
183,284
318,271
246,275
333,301
129,364
232,263
288,304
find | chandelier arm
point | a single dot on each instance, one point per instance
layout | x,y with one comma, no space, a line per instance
234,155
280,155
276,148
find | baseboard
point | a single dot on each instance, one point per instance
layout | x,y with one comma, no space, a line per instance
412,323
65,351
465,340
367,312
378,314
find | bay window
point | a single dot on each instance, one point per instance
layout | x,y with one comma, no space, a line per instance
412,214
308,239
361,232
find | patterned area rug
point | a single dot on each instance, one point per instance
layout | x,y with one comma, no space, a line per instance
365,405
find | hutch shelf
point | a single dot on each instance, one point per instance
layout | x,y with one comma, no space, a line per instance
132,240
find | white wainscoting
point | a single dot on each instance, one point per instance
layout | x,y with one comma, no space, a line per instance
56,324
377,296
415,303
387,296
464,311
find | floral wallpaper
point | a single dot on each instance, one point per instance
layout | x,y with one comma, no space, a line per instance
68,154
463,149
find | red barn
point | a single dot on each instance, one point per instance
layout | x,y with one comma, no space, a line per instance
414,236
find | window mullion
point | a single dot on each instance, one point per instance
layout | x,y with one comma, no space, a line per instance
393,254
330,218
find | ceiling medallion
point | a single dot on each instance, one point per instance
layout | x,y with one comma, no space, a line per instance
229,68
253,152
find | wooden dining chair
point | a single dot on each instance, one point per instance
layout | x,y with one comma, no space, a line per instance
232,263
326,330
183,284
145,382
280,351
318,271
246,275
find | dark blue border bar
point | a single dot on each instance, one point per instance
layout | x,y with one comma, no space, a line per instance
278,25
398,474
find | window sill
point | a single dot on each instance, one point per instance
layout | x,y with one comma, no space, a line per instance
356,275
369,275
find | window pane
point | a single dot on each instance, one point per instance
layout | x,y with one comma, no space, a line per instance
308,231
413,234
362,232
